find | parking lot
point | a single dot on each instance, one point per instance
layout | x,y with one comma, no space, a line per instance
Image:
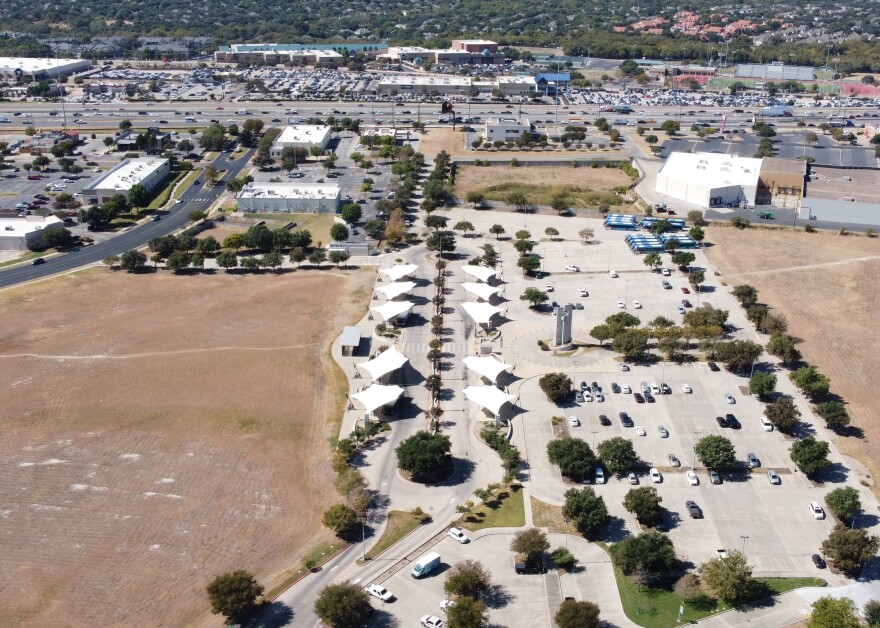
771,522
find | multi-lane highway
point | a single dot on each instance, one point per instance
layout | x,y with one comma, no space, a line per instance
195,198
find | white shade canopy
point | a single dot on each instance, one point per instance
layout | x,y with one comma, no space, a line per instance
389,360
488,397
488,367
398,271
393,290
377,396
483,273
482,290
482,313
392,309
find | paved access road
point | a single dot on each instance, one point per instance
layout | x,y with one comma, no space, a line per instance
195,198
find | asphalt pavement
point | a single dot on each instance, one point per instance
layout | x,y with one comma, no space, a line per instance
195,198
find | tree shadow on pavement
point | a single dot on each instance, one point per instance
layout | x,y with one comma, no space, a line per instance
383,619
615,530
275,615
464,469
834,474
498,597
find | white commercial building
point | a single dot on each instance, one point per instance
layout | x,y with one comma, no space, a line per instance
301,136
301,198
440,84
709,179
505,129
148,171
16,234
516,85
18,67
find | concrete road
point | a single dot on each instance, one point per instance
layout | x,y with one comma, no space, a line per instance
195,198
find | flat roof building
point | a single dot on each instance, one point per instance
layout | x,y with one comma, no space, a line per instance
279,53
776,72
301,198
301,136
474,45
17,234
505,129
424,84
18,67
515,85
148,171
709,179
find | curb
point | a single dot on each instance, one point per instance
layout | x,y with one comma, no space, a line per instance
311,571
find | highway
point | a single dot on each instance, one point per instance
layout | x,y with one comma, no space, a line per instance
195,198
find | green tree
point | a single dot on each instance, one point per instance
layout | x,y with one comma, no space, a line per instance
585,509
464,226
340,518
695,278
316,257
343,605
213,137
762,384
850,549
716,452
844,503
227,260
831,612
259,237
468,578
524,246
617,454
423,454
58,237
810,455
234,595
475,198
632,344
574,614
783,348
535,296
467,613
196,215
872,612
602,333
586,235
683,259
339,232
528,263
810,381
557,386
496,230
532,542
573,456
274,259
651,553
745,294
729,578
339,257
132,261
518,200
644,503
652,261
178,260
351,213
671,127
834,414
697,233
738,355
138,195
783,414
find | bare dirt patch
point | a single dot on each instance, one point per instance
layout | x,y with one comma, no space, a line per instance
158,430
583,187
435,140
828,287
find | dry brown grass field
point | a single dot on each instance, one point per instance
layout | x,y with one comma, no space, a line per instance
159,430
828,287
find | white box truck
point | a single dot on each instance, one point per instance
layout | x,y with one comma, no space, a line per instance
425,565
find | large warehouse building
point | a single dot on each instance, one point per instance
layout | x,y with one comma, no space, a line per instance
709,179
281,53
301,136
17,234
20,67
297,198
148,171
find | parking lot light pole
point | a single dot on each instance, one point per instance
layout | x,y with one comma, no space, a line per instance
566,531
743,537
594,438
694,465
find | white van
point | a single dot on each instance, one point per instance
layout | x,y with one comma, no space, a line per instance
766,424
189,119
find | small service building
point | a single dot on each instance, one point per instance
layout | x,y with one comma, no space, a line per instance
301,136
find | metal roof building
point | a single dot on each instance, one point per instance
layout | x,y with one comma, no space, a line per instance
776,72
148,171
303,198
709,179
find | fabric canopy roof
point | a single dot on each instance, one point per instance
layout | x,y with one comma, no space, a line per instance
396,289
487,367
398,271
389,360
482,290
391,309
488,397
377,396
481,312
482,273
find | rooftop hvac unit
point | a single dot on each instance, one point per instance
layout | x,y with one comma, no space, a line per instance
846,178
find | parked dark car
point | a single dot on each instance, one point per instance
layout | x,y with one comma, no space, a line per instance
722,422
693,509
712,366
639,398
818,561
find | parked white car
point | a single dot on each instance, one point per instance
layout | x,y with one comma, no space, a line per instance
686,388
693,480
816,510
432,621
656,478
600,475
612,274
378,591
574,421
636,304
572,268
729,398
621,304
641,431
458,535
625,389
